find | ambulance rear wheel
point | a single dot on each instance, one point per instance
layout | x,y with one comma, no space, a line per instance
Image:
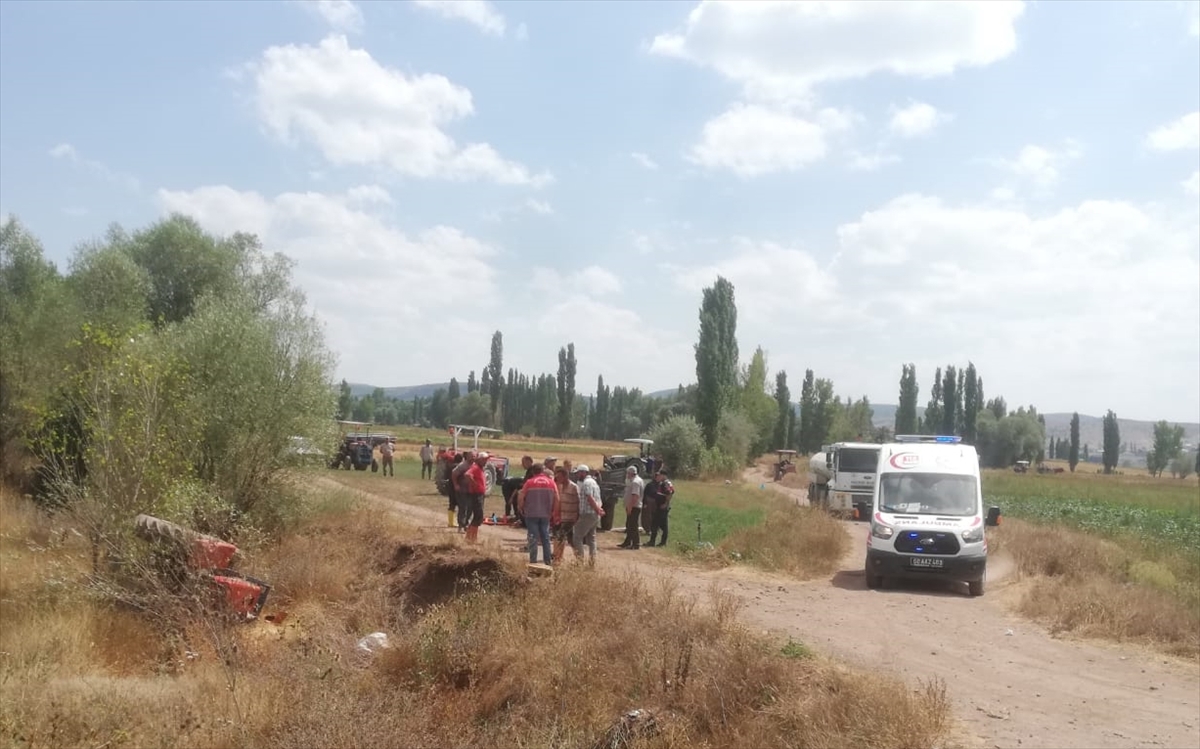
975,587
874,582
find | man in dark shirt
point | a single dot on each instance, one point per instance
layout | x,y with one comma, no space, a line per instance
658,501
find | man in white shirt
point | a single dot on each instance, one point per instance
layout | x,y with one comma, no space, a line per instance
590,512
427,459
634,486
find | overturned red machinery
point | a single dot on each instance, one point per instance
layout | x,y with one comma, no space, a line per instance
212,558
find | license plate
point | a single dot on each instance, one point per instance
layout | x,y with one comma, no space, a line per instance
929,562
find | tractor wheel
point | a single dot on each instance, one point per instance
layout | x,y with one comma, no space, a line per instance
489,479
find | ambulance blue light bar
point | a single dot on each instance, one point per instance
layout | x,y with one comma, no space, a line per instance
947,439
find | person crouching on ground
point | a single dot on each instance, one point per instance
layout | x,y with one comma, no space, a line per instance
634,486
590,512
568,496
538,502
476,485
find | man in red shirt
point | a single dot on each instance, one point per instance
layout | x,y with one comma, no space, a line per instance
476,485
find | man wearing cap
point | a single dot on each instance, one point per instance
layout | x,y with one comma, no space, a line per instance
590,512
634,486
658,503
476,485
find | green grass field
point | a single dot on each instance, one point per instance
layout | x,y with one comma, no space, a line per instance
1161,510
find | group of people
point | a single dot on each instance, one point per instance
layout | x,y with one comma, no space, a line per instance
644,500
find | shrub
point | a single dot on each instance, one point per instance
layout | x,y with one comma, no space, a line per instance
681,443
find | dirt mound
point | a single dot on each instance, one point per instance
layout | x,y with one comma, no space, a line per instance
424,575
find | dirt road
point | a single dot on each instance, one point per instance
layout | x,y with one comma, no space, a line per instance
1012,684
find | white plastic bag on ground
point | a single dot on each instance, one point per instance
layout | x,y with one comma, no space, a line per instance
373,642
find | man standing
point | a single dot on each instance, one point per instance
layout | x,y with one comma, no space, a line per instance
427,459
538,502
590,512
385,451
659,492
461,494
476,484
634,486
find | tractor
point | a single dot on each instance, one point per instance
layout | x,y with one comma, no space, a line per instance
494,472
612,476
195,555
785,464
357,449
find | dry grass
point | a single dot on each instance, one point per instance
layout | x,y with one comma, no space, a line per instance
1094,587
484,658
802,542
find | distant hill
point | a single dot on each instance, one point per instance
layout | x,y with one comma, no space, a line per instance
1135,434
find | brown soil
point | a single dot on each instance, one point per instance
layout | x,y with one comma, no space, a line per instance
1012,683
425,575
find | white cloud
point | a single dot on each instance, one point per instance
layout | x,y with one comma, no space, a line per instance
358,112
67,152
540,207
751,140
920,279
644,160
590,281
1181,134
1191,185
372,284
915,119
341,15
870,162
479,13
1038,166
522,33
778,49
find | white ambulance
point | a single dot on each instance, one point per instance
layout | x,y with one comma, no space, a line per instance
927,516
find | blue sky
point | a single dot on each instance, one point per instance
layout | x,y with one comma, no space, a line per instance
1013,184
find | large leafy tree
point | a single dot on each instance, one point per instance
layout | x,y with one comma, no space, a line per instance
906,410
810,441
716,357
1112,442
495,375
1073,454
782,437
566,390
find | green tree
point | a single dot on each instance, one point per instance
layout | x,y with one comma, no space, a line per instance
566,390
716,357
853,422
1001,442
1112,442
972,392
997,407
1168,444
1073,454
472,383
824,411
951,400
680,441
810,442
600,425
453,392
757,404
495,375
934,412
906,411
782,438
439,409
473,408
345,402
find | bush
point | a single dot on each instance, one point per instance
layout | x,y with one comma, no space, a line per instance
716,464
681,443
736,434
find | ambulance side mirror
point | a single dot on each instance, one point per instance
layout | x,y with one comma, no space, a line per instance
993,517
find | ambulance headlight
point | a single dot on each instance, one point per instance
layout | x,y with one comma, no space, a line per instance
973,535
879,530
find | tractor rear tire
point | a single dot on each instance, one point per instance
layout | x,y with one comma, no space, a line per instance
489,479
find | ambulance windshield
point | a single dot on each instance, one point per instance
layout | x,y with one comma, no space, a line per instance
946,494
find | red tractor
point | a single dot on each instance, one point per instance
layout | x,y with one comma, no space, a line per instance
495,472
211,558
